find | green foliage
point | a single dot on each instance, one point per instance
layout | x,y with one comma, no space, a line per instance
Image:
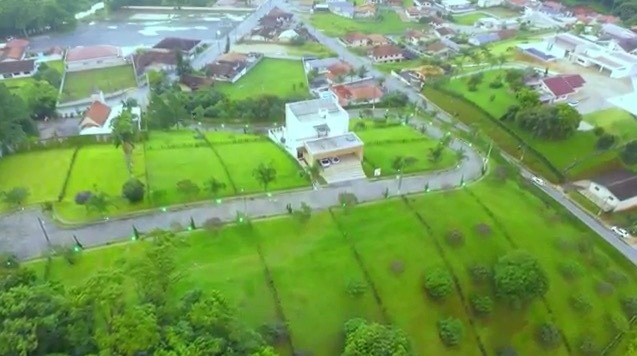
605,141
480,273
570,269
506,351
482,305
41,99
629,153
133,190
556,122
356,288
188,188
214,186
347,200
438,283
548,336
451,331
580,303
373,339
629,306
303,213
15,197
483,230
99,202
455,238
519,278
265,173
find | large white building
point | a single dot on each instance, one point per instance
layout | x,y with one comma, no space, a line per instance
317,132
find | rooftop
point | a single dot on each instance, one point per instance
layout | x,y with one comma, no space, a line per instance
321,63
564,84
328,144
174,43
311,110
622,183
92,52
17,66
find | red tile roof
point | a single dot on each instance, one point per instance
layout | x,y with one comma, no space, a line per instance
564,84
386,51
17,42
91,52
357,92
355,36
97,113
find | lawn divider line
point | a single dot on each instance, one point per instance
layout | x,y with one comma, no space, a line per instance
68,174
361,265
456,282
507,236
275,294
147,175
223,164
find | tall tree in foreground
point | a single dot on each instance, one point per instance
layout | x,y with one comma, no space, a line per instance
373,339
124,134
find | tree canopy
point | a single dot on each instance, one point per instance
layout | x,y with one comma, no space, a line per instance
363,338
519,278
25,17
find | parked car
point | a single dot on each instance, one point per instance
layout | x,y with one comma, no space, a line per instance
334,160
620,232
325,162
537,181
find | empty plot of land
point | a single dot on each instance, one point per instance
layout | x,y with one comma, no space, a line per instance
614,121
80,85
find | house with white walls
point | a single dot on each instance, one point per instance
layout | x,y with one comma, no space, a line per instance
613,191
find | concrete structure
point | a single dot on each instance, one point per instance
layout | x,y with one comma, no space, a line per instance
17,69
93,57
98,119
613,191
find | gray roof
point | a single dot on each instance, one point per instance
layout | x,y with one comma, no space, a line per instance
622,183
309,110
322,63
342,6
323,145
486,38
617,31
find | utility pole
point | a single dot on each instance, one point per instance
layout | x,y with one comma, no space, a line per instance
46,235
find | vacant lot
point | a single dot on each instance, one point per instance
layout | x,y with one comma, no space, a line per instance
280,77
502,12
469,19
388,248
80,85
337,26
615,121
41,172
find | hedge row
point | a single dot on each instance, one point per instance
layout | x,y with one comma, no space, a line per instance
435,93
37,144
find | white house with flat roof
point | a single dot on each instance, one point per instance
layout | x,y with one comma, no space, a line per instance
317,132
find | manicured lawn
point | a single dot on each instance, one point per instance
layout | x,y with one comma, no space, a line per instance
311,48
19,82
80,85
502,12
41,172
313,263
242,159
502,97
615,121
279,77
469,19
372,133
336,26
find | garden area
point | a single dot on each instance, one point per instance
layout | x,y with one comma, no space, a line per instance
469,19
576,156
387,23
80,85
468,281
280,77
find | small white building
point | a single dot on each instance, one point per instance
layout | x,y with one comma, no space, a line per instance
93,57
453,4
317,132
614,191
98,119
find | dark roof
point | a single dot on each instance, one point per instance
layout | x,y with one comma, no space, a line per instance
145,59
628,44
278,13
17,66
224,70
622,183
195,82
174,43
564,84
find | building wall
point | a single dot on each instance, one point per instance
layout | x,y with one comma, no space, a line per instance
297,130
17,75
357,151
626,204
95,64
603,195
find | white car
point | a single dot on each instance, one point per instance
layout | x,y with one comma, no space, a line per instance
537,181
619,231
325,162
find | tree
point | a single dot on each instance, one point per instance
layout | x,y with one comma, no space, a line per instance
183,65
480,273
16,196
227,48
264,174
49,75
362,72
15,118
519,278
629,154
548,336
188,188
165,111
399,163
373,339
605,141
438,283
41,98
124,134
351,73
214,186
450,331
482,305
550,122
527,98
98,202
133,190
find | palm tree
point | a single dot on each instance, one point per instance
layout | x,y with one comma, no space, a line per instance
123,134
214,186
264,174
362,72
351,73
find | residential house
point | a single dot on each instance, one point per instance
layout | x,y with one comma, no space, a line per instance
279,15
415,37
320,65
613,191
386,54
489,3
17,69
195,82
93,57
483,38
356,39
14,50
187,47
617,32
288,35
451,5
423,4
264,33
444,32
155,60
627,45
416,77
230,67
414,13
377,40
435,48
366,10
99,117
560,87
339,72
342,8
364,92
453,47
317,130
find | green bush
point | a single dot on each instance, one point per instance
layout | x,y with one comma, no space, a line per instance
580,303
570,270
451,331
133,190
482,305
548,336
480,273
438,283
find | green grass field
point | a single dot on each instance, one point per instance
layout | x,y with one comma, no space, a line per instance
615,121
502,12
280,77
469,19
80,85
388,247
17,83
336,26
41,172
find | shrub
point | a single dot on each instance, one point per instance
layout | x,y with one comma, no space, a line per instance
616,277
133,190
570,270
397,267
629,306
580,304
356,288
604,288
82,197
496,84
605,141
483,230
565,244
587,347
438,283
481,304
506,351
616,323
274,333
598,131
480,273
213,224
548,336
450,331
600,261
455,238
